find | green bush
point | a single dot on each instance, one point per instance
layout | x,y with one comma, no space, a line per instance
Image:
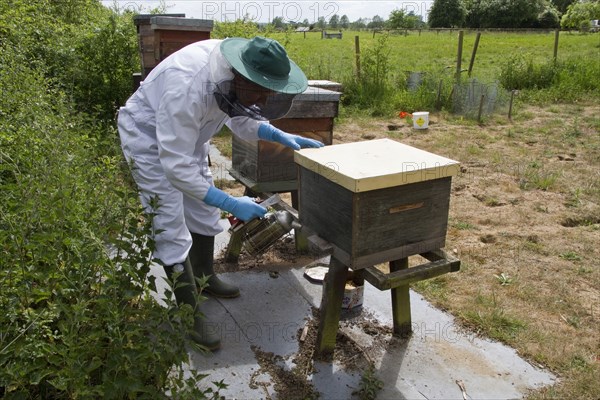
379,92
519,73
83,48
370,88
77,319
432,92
102,72
548,19
238,28
579,14
565,80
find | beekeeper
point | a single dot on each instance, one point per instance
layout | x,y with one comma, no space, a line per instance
165,128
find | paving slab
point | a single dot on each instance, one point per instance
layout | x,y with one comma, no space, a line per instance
438,361
219,164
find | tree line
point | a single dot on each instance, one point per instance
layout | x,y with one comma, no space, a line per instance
475,14
567,14
396,20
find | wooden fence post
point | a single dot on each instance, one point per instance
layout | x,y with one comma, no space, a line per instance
556,35
474,53
438,101
357,54
480,108
510,105
461,35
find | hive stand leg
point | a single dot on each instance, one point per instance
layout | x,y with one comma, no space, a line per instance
250,193
401,302
331,307
300,238
234,248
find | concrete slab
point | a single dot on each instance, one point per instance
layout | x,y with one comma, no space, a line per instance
440,354
219,165
438,358
268,315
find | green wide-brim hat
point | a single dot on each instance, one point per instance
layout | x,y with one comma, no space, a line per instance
264,62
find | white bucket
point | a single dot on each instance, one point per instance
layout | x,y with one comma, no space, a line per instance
353,295
420,120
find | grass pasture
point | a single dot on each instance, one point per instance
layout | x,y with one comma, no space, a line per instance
524,58
334,59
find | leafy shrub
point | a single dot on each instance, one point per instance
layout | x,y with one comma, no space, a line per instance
106,57
565,80
381,92
579,14
83,48
549,18
447,14
430,92
518,73
78,320
510,14
370,88
581,75
238,28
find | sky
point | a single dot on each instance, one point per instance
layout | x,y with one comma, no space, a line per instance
266,10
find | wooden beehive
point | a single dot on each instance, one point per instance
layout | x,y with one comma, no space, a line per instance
161,35
375,201
269,167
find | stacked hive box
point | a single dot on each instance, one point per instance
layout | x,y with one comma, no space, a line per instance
269,167
161,35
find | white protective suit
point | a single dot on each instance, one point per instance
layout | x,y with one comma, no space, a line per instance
165,128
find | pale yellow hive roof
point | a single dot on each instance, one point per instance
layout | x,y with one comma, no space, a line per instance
375,164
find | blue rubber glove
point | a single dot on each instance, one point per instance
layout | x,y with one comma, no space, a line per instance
270,133
243,208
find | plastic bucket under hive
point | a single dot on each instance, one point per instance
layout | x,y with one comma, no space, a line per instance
353,295
353,291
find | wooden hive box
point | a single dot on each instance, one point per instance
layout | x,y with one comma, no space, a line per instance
146,39
269,167
375,201
162,35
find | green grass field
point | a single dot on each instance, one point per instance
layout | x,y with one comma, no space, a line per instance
334,59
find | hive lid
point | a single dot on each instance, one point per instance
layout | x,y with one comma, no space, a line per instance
318,94
144,19
325,84
184,24
375,164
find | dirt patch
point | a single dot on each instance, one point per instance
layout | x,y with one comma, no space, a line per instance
288,383
360,340
280,257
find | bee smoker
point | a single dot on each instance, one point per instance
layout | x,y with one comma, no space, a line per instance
266,231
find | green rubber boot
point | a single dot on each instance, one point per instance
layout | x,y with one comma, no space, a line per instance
186,293
202,257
